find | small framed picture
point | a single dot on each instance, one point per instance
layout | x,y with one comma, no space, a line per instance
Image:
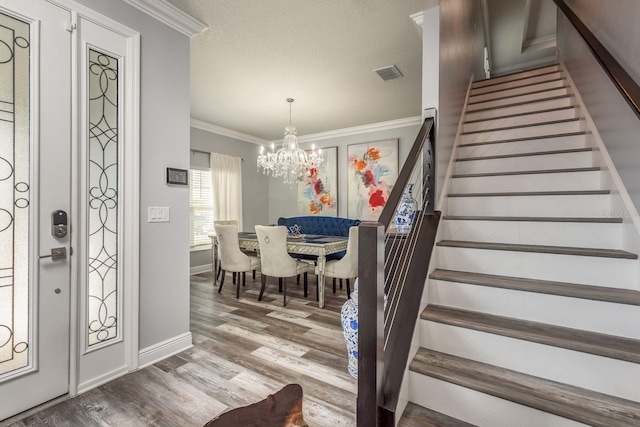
177,176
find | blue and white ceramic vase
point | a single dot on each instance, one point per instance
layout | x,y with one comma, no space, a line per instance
406,211
349,316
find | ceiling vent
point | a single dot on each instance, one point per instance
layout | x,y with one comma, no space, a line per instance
388,73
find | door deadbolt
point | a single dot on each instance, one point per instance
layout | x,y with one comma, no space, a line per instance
59,224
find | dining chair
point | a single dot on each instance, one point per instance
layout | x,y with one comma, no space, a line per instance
250,253
347,267
226,222
232,259
275,260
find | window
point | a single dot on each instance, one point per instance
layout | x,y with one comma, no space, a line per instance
200,207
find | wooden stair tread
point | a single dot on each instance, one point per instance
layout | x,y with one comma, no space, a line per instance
572,290
534,193
418,416
604,220
514,76
557,336
526,125
530,154
559,250
526,172
533,92
524,138
518,86
508,116
579,404
519,103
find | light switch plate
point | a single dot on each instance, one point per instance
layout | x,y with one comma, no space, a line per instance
159,214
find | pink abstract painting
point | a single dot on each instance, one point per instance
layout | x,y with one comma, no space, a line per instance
318,192
372,171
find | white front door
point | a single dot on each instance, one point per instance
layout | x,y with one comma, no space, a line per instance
35,167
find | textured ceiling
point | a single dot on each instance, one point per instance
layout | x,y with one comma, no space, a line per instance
257,53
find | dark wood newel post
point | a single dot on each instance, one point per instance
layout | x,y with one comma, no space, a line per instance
370,323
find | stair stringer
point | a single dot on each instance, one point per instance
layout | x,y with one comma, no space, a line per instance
405,397
621,203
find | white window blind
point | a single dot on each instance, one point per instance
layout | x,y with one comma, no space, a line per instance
200,207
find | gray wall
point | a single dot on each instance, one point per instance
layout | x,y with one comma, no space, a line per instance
507,18
458,50
164,142
255,186
283,198
617,30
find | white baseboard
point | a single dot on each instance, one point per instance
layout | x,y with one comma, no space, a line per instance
155,353
102,379
204,268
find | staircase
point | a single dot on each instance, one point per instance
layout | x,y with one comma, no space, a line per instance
532,315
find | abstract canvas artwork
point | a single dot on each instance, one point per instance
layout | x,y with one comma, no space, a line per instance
318,193
372,169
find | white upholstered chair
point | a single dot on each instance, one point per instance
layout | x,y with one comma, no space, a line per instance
347,267
226,222
250,253
275,260
232,259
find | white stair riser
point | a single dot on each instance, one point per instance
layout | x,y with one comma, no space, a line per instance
564,181
516,83
576,234
605,375
516,77
546,85
525,132
582,159
479,409
518,99
520,109
586,270
528,146
573,206
590,315
529,119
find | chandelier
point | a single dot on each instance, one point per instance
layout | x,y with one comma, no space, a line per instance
290,161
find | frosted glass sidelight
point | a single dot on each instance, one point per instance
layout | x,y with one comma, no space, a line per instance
103,281
15,340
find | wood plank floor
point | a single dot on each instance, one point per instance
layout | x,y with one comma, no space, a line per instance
244,349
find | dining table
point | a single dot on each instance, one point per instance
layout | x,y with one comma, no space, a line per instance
314,245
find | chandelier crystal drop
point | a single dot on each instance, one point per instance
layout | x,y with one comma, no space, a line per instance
290,162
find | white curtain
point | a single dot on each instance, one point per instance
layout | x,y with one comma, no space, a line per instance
226,183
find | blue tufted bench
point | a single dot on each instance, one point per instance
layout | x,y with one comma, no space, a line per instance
324,225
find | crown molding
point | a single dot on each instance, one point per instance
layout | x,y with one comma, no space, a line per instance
418,18
356,130
337,133
219,130
170,15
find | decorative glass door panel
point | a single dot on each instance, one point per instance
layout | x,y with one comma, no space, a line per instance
35,181
103,281
14,194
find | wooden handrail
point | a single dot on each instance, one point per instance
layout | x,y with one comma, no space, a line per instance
371,341
384,252
400,331
620,78
403,178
